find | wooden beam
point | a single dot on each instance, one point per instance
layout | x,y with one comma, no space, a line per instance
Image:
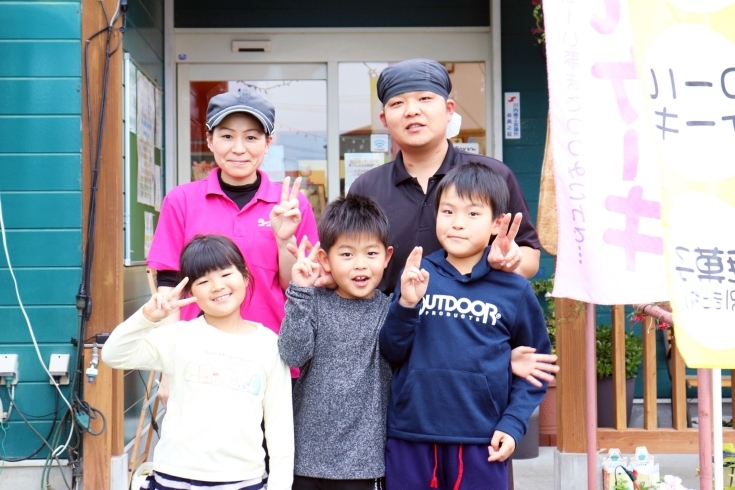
570,381
650,374
106,288
678,388
656,441
618,362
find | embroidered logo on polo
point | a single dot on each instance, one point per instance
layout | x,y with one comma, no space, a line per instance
444,305
262,222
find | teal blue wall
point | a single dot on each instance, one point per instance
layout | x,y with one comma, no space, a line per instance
40,190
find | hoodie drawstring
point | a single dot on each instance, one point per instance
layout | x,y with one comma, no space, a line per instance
461,470
434,482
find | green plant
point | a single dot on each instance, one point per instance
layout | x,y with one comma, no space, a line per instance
633,352
539,31
543,288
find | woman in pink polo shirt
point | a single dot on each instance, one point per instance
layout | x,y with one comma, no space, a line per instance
239,201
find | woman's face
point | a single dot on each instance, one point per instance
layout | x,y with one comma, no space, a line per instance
239,146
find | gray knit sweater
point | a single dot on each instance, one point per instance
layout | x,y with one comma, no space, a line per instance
341,398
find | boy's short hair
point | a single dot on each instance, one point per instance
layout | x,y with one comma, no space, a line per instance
478,183
352,216
207,253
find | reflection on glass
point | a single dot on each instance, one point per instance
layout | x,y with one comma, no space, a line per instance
299,146
364,142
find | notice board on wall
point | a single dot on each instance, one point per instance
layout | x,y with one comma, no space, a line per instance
143,157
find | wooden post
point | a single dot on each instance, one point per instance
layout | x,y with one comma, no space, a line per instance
650,407
106,288
678,388
570,382
618,364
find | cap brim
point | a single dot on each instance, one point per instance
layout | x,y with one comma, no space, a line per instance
215,120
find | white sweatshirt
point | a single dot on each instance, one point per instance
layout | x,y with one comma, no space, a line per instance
221,387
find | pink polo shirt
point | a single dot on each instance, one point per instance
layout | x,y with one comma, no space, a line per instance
202,207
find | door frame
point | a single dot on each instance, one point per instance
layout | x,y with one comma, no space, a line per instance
208,53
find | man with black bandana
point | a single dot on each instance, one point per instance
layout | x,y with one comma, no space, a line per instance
416,112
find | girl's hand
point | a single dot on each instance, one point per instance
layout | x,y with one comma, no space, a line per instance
286,216
305,271
163,304
505,254
414,281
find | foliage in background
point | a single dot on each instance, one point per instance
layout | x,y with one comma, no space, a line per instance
633,352
538,16
543,288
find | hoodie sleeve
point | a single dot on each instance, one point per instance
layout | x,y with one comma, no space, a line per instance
398,331
529,328
298,329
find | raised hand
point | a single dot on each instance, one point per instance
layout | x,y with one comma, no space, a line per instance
501,446
505,254
533,367
163,304
286,215
305,271
414,281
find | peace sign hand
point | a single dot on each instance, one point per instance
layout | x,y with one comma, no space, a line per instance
163,304
414,281
286,216
505,254
305,271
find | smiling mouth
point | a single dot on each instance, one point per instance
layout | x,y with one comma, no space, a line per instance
360,279
414,126
222,298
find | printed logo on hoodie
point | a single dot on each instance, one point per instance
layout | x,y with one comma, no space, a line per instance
458,308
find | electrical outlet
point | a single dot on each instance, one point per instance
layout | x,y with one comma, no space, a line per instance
58,368
8,367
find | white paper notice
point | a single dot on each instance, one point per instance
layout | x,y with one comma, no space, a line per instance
159,118
146,108
512,115
159,189
148,239
357,164
146,176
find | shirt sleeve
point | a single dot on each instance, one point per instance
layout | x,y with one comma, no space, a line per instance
527,236
140,344
278,421
529,329
398,332
298,329
168,240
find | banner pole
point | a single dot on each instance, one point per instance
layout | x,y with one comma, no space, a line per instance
591,384
704,401
717,427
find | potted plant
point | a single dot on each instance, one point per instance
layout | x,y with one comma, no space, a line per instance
633,359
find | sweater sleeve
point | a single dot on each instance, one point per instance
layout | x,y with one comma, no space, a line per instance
278,422
298,329
139,344
528,329
398,332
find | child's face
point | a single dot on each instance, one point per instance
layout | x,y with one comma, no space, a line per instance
464,228
220,293
239,146
356,264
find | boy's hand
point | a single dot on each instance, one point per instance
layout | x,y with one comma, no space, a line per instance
305,271
163,304
414,281
533,367
286,216
501,446
505,254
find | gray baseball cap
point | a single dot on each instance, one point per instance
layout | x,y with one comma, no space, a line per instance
246,100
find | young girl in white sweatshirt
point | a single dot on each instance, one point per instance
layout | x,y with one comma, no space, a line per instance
226,378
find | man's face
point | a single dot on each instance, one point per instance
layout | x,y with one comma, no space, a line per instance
417,119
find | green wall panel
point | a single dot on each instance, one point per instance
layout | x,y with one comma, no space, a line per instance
40,134
146,17
44,248
50,323
41,172
29,368
41,286
42,210
520,77
35,398
40,58
21,441
40,96
39,20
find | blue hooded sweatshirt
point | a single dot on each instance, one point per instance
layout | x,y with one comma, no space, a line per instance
452,380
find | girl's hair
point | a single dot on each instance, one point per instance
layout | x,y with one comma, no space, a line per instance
207,253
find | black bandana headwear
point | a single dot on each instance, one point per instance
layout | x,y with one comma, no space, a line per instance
414,76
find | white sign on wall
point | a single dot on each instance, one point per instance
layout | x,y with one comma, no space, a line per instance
512,119
379,143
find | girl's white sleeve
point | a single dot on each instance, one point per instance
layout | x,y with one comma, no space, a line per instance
138,344
278,419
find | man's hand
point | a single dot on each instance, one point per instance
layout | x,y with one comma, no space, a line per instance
533,367
414,281
305,271
505,254
501,446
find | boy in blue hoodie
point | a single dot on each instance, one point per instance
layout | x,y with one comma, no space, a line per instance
456,411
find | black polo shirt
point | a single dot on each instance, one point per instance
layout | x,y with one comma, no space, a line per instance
412,213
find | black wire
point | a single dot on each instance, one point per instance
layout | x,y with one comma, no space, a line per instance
44,441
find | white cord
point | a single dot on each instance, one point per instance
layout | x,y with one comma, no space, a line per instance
116,14
60,449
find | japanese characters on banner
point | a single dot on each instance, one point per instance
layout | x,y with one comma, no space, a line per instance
685,54
610,247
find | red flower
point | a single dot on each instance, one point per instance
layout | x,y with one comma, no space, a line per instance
662,325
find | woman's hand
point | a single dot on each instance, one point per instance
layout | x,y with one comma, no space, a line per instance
163,304
286,216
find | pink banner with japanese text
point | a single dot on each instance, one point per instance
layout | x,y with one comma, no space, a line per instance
642,107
